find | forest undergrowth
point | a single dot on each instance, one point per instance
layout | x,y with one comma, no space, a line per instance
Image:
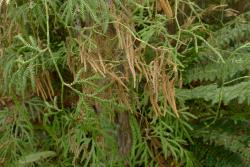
125,83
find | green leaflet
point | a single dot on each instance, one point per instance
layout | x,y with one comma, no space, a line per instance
38,156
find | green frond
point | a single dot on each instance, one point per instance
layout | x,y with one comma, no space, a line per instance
216,156
75,12
223,144
215,94
232,41
235,63
232,33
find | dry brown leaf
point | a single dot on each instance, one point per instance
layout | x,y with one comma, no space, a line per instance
170,91
165,5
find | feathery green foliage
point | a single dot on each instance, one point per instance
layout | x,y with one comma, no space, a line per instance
100,83
221,83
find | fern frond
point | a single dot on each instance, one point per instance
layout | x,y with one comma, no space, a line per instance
24,61
232,41
224,136
216,156
233,33
28,14
136,135
75,10
214,93
218,70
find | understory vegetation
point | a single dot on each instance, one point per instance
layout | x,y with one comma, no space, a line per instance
125,83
